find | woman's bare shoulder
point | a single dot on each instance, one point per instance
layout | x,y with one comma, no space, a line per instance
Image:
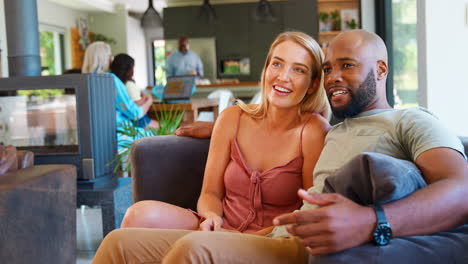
230,113
228,120
316,127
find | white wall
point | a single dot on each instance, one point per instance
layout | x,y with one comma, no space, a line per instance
112,25
3,45
137,49
48,14
129,36
443,45
59,16
368,15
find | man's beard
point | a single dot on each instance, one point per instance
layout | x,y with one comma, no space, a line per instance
361,99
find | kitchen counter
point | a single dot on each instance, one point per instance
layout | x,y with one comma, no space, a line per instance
242,90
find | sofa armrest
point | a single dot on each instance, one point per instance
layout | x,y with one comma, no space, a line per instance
168,169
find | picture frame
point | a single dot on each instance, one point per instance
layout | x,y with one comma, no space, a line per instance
349,19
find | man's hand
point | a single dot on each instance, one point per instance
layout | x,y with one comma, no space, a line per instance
337,225
198,129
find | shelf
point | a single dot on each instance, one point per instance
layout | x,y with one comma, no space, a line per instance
347,10
334,1
329,33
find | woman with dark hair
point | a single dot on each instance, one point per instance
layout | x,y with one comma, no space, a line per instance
97,59
122,66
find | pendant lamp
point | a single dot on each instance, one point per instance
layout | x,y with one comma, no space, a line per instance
207,12
151,18
264,12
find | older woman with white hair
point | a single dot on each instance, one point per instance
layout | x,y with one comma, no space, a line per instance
97,59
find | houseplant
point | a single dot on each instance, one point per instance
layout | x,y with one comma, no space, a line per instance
351,24
324,21
169,120
335,20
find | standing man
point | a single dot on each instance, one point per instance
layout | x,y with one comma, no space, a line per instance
184,61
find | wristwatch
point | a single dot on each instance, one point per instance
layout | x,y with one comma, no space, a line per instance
382,233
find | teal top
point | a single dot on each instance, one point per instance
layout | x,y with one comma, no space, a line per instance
127,111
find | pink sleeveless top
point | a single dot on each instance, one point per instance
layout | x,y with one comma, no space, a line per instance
253,198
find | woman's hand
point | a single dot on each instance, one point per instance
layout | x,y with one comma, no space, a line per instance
265,231
147,102
211,223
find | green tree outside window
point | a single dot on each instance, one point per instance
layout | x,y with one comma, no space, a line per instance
405,51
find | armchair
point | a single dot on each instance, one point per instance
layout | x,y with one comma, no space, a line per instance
38,213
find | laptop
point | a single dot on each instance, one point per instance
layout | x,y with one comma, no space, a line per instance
178,88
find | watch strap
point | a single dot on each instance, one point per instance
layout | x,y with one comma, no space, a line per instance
379,212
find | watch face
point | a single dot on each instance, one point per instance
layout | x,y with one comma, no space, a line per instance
382,234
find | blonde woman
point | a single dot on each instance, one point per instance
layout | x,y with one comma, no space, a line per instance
243,190
260,155
97,59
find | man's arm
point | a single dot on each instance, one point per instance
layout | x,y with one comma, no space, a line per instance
341,224
197,129
199,66
442,204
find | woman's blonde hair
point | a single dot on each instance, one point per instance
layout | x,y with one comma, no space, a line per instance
314,102
97,58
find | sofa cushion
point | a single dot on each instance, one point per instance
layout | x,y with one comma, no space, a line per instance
375,178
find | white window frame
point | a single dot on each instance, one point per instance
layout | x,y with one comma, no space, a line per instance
59,68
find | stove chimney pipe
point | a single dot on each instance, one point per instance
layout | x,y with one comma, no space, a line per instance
22,38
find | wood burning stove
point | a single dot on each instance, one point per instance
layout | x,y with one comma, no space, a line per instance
68,119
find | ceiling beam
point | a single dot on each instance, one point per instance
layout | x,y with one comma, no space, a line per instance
176,3
88,5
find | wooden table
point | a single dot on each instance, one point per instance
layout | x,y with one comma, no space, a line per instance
191,108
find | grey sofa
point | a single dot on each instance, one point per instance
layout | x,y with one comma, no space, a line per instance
170,169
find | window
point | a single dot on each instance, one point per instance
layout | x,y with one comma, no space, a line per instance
51,41
51,49
159,52
405,75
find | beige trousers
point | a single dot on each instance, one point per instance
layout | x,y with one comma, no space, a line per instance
145,245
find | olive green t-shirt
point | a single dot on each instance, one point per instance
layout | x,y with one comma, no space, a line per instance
402,134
